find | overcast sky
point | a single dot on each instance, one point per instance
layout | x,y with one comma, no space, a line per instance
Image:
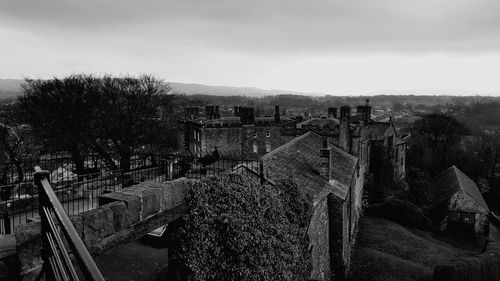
330,46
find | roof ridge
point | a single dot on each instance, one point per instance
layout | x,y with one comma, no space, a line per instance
286,145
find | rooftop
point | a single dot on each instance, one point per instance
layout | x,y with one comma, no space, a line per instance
300,160
450,182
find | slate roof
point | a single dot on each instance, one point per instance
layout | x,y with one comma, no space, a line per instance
300,159
375,131
450,182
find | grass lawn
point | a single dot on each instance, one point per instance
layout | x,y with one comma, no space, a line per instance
388,251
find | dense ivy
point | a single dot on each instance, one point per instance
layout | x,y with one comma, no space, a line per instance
237,229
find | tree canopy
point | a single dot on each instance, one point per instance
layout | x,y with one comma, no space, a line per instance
434,137
236,229
104,114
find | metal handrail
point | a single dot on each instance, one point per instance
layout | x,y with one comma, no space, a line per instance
57,264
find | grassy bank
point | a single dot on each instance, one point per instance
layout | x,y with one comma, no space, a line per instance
388,251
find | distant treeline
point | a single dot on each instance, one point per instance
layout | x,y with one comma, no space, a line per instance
300,101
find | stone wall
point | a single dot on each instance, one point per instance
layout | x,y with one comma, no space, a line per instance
461,201
264,137
319,248
339,247
224,138
330,239
122,216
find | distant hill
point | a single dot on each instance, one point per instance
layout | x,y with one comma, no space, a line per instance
199,89
10,88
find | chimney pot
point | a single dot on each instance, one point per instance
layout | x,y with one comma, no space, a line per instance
277,117
332,112
345,140
325,160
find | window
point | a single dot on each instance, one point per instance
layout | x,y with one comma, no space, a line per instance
268,146
268,134
255,135
255,147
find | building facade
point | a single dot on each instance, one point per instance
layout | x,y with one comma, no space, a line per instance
459,204
242,132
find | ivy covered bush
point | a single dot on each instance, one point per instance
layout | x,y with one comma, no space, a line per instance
237,229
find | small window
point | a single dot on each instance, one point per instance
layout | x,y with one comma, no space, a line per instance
268,134
255,135
255,147
268,147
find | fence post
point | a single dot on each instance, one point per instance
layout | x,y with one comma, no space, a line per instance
42,201
6,220
170,167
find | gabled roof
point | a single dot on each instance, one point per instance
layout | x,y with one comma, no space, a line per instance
300,159
450,182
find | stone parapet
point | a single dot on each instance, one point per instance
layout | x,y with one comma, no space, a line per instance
122,216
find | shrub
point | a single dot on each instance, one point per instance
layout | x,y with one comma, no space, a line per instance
235,229
298,206
400,211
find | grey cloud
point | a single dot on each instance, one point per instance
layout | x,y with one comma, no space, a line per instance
279,26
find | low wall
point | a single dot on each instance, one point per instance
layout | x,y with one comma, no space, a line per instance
121,217
483,267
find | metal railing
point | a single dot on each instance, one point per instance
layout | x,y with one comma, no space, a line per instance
78,191
57,264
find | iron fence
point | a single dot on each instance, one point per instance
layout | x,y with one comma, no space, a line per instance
56,229
78,192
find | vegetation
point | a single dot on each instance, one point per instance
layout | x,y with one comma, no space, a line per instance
483,267
433,139
439,141
102,114
388,251
236,229
401,211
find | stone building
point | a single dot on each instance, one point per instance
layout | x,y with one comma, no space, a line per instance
246,133
242,132
378,140
334,179
459,204
385,145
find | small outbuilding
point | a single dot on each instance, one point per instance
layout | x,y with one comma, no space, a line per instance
463,206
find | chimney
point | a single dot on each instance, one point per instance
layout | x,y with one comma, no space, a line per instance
188,113
332,112
325,160
250,115
277,118
208,111
364,112
345,128
368,111
216,112
243,114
